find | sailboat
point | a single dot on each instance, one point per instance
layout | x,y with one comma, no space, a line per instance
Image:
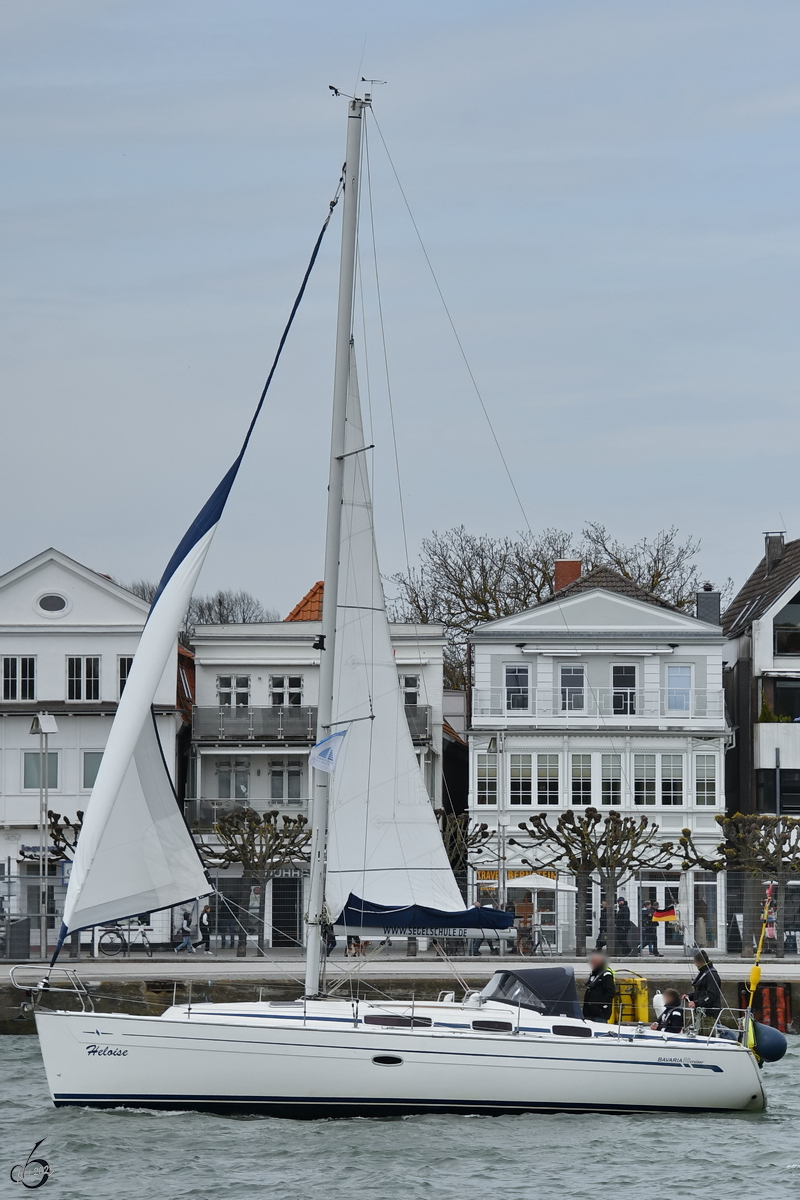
378,865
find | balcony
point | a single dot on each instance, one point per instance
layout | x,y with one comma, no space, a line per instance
592,706
777,736
204,814
290,723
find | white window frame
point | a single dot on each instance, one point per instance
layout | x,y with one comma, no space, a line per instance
237,766
34,791
629,694
515,764
234,691
83,659
548,754
714,780
286,763
17,659
661,779
407,691
565,707
516,688
286,689
668,709
654,778
584,754
607,768
486,759
83,788
123,658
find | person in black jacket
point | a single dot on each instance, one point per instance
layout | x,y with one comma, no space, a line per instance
622,926
603,927
671,1018
600,990
706,987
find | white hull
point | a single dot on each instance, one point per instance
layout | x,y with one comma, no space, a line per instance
322,1059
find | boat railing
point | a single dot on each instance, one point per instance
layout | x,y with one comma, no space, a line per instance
37,986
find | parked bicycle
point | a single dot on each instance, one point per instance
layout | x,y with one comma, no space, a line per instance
119,940
533,941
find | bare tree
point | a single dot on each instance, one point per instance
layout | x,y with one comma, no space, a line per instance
763,847
465,579
589,844
462,838
263,845
225,607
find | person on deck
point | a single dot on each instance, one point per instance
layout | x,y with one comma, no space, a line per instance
600,990
671,1017
706,987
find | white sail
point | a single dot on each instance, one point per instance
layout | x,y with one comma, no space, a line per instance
384,844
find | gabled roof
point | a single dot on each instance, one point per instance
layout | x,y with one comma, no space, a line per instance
68,566
762,590
310,607
610,581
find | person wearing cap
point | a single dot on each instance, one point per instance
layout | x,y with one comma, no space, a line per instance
600,989
706,987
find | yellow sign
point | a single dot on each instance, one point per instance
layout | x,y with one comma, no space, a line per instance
485,876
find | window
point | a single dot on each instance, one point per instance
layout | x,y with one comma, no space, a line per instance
572,689
612,779
487,779
547,779
671,779
52,603
517,691
124,669
644,778
19,678
30,770
520,780
83,678
286,779
705,779
287,690
623,682
410,686
679,688
233,779
233,691
91,765
581,779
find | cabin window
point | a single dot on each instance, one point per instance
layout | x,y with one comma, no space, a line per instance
581,779
547,779
19,678
612,779
644,778
517,689
83,678
623,682
671,779
233,691
705,779
572,689
286,690
487,779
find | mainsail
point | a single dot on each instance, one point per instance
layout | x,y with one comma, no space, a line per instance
384,845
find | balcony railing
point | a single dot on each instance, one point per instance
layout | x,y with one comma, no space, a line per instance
624,706
204,814
288,723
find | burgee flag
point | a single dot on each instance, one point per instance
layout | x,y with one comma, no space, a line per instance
323,756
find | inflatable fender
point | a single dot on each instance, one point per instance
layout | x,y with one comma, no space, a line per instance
769,1044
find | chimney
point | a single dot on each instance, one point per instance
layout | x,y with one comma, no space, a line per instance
707,606
567,571
773,550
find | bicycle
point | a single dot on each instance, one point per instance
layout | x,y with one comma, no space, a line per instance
114,941
532,941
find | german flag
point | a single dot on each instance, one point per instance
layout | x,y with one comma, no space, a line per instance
664,914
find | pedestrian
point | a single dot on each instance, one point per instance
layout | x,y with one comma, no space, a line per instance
602,932
186,934
670,1019
650,931
622,926
205,929
600,990
706,991
227,921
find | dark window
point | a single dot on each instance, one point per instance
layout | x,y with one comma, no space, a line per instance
410,686
287,690
571,1031
493,1026
19,679
572,699
547,779
233,691
399,1022
581,779
125,664
520,779
623,679
517,695
286,911
52,603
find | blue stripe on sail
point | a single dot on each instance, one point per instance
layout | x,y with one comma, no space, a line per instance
365,914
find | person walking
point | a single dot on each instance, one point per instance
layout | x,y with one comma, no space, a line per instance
600,991
650,931
622,926
205,929
186,934
227,922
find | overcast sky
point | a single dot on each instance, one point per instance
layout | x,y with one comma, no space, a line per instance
608,192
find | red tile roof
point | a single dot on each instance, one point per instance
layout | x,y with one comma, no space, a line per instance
310,607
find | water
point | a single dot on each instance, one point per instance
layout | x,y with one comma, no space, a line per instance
183,1156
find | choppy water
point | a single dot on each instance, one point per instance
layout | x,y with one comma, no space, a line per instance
138,1155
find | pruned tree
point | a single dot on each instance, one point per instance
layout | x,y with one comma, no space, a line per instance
590,843
263,845
761,846
225,607
63,835
462,838
464,579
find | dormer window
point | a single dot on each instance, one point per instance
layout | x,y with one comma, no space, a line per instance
786,628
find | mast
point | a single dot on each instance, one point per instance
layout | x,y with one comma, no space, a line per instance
341,378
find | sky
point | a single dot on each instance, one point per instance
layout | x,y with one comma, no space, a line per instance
608,194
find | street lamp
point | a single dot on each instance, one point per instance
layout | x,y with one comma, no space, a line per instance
43,724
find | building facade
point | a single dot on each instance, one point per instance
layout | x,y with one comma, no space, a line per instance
762,683
255,721
604,696
67,640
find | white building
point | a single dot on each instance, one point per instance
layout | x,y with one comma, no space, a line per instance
255,720
604,696
67,639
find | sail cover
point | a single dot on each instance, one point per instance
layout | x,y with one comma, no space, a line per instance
384,844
